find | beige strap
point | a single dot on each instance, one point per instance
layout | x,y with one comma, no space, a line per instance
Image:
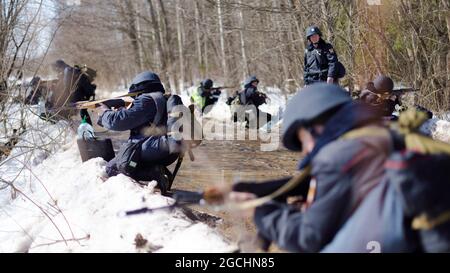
301,177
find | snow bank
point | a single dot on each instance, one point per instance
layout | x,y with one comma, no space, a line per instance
438,129
35,144
82,214
59,204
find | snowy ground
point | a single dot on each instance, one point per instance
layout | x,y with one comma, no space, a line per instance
221,111
56,203
64,206
82,214
438,129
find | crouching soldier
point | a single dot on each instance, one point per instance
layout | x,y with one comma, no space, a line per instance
380,95
73,86
249,100
341,170
205,95
147,121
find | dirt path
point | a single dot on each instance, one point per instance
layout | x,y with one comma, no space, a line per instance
225,162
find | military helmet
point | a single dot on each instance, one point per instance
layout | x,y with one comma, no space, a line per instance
308,105
59,65
248,82
383,84
145,81
313,30
207,84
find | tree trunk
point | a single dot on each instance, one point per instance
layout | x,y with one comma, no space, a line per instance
276,23
129,12
198,40
157,32
245,68
222,39
446,5
180,46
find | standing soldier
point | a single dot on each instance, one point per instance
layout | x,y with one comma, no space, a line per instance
321,61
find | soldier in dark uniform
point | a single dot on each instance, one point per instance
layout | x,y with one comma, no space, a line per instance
379,94
206,95
321,61
73,86
343,170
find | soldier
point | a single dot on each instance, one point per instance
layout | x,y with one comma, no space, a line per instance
321,61
205,95
343,171
249,96
381,95
147,120
73,86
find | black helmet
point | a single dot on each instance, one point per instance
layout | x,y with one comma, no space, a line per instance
306,106
207,84
146,82
59,65
383,84
313,30
248,82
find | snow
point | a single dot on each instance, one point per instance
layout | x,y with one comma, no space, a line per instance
438,129
60,204
85,212
221,111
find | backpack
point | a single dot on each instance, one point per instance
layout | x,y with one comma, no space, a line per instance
90,73
409,210
340,70
85,83
128,159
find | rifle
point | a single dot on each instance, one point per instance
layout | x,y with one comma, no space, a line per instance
396,92
222,87
184,199
311,73
401,91
127,100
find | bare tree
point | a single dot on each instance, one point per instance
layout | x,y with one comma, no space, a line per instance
229,39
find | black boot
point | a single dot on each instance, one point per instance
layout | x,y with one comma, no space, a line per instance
154,173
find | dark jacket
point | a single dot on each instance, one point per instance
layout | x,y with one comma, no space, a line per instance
344,172
159,148
73,86
250,95
78,85
320,63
